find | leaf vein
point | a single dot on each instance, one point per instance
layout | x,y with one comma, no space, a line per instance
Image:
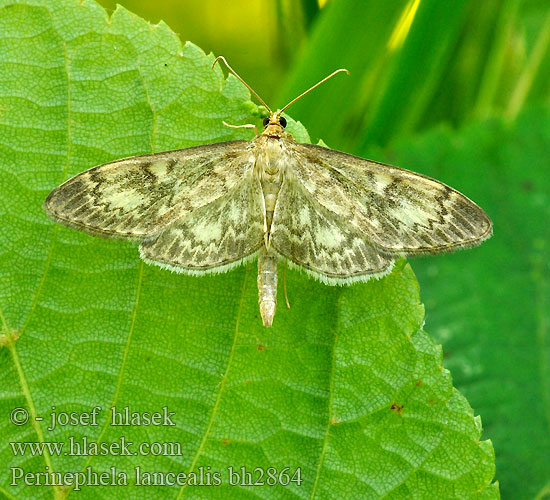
116,394
329,420
222,386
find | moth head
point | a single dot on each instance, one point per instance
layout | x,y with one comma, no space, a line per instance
274,125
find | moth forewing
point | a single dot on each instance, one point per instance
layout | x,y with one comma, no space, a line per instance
138,196
401,212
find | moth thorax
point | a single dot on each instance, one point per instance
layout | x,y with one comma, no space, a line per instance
271,171
273,157
267,285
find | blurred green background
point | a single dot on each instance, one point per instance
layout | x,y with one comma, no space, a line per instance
457,90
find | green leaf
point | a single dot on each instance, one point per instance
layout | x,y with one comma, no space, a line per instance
346,387
490,307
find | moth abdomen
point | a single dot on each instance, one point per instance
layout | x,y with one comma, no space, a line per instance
267,284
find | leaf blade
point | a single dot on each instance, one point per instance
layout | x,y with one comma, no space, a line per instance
106,329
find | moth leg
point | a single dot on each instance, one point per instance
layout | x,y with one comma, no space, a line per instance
246,125
284,286
267,284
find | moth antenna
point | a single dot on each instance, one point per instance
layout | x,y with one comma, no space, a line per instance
243,82
315,86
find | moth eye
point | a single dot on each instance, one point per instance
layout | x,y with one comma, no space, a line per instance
266,121
282,121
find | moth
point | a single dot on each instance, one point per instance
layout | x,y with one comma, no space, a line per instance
207,209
